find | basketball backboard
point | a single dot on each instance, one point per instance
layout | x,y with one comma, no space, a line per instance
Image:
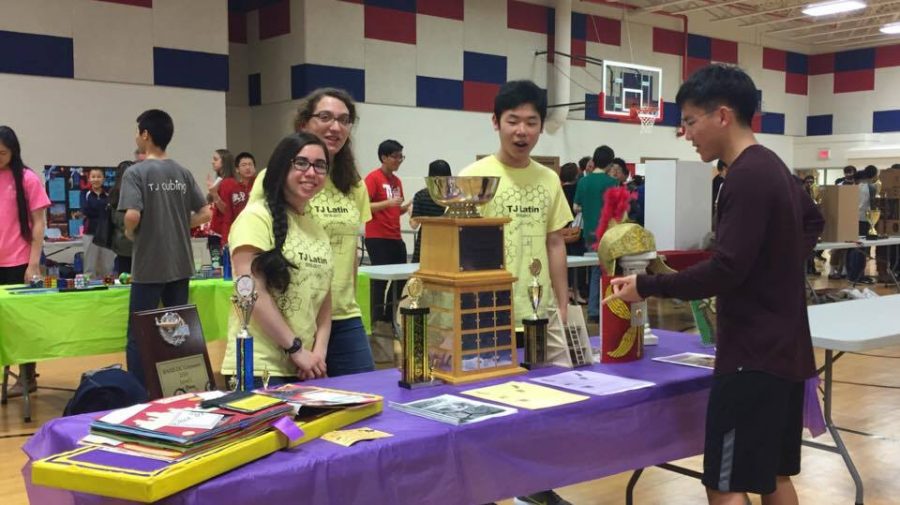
628,89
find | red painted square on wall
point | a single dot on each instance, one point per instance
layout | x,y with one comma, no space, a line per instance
390,24
579,48
796,84
774,59
275,19
854,80
479,96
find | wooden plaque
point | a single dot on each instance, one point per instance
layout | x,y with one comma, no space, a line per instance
173,351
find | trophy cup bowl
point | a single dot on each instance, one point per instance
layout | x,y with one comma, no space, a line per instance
461,194
872,216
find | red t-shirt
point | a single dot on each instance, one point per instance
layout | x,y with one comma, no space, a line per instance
385,223
235,195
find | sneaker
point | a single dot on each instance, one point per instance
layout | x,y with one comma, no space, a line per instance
835,277
542,498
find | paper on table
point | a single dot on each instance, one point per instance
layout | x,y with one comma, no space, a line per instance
120,415
594,383
350,437
690,359
525,395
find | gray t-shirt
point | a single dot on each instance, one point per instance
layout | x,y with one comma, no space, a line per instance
165,193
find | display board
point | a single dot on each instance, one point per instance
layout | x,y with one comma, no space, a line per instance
65,186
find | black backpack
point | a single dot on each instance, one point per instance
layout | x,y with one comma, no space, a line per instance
105,389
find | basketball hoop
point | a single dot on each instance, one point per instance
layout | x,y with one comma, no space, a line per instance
648,117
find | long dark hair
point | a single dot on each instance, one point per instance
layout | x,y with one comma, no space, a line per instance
9,138
343,168
117,186
272,264
227,163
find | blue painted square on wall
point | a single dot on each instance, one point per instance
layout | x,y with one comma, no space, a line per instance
190,69
579,26
592,109
772,122
819,125
439,93
886,121
482,67
797,63
671,114
306,77
699,46
857,59
254,89
32,54
400,5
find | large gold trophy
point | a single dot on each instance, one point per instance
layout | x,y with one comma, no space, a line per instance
872,216
471,328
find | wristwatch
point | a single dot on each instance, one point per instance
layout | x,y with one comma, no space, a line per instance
295,347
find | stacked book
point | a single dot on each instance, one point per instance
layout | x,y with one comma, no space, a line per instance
175,428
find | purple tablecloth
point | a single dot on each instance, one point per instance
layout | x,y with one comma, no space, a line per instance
429,462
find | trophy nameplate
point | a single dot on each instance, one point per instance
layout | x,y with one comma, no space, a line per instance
173,351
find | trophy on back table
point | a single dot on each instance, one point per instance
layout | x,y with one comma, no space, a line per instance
471,326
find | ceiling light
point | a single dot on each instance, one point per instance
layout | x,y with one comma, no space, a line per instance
833,7
891,28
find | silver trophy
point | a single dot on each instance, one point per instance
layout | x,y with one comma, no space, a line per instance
244,298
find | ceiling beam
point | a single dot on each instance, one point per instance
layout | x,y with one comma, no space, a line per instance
834,22
846,38
881,41
705,7
760,13
659,7
828,33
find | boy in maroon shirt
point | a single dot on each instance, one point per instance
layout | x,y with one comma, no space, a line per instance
383,240
766,227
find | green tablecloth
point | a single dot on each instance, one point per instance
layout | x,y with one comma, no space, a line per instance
35,327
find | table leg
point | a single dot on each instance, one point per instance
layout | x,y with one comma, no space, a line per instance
629,491
815,297
3,391
838,446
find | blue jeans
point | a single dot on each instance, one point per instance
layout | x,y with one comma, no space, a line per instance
146,296
348,348
593,309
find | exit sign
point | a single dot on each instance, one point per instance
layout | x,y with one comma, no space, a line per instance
824,154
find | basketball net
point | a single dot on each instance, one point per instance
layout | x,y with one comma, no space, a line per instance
647,116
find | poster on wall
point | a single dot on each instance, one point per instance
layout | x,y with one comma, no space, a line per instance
66,187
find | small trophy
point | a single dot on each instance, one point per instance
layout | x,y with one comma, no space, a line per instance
872,216
243,299
415,370
535,326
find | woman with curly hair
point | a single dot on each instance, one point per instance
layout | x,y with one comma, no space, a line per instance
341,208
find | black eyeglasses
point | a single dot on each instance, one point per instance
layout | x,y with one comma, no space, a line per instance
302,164
327,117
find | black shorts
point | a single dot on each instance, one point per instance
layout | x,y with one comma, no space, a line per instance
754,425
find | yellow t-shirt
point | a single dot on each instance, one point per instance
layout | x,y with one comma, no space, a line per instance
306,247
533,198
341,216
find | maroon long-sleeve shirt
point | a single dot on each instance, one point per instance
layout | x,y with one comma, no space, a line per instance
766,227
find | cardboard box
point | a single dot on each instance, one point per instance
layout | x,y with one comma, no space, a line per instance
890,180
889,227
840,206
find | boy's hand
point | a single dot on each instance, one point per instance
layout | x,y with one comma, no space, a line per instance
625,289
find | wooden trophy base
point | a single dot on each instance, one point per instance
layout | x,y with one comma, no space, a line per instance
480,376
